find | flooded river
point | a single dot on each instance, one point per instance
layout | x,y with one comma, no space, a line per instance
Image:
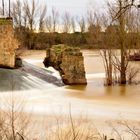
94,100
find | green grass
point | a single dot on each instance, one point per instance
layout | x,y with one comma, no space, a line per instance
5,21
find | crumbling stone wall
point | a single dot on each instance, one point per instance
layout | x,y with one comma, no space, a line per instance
69,62
8,43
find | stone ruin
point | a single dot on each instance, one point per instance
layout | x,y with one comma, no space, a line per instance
69,62
8,43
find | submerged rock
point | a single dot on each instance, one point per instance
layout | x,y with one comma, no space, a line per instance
18,62
69,62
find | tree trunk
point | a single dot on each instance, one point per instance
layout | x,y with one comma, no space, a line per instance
3,7
110,69
123,68
122,46
9,8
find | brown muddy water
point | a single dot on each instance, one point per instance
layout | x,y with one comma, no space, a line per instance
101,104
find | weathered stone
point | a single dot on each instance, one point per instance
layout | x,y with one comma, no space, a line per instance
8,43
69,62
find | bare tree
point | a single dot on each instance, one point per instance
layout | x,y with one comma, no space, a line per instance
52,21
3,8
118,29
31,13
127,5
49,25
25,19
55,19
90,17
17,13
94,28
120,16
106,51
42,18
9,8
82,24
73,24
66,22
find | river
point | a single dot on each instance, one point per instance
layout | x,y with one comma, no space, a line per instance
100,103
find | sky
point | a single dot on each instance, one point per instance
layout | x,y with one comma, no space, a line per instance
75,7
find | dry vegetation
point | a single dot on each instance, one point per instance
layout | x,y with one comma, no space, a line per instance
15,124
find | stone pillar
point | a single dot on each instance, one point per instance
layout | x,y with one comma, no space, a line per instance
8,43
69,62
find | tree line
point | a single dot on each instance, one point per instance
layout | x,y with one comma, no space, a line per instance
36,28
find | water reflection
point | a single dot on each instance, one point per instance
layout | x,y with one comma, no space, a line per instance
123,90
109,90
92,91
116,90
77,87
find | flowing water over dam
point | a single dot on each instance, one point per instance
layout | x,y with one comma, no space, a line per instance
94,100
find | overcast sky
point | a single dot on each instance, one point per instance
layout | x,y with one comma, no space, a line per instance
75,7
